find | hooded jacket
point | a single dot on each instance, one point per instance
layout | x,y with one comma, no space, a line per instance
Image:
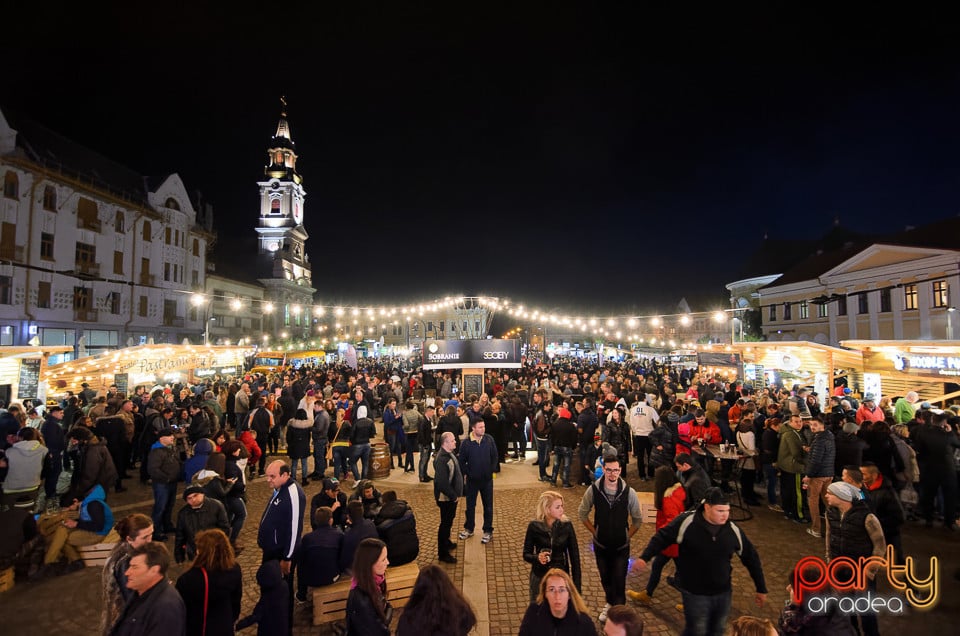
25,462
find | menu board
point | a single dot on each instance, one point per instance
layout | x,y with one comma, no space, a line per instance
29,378
121,380
472,384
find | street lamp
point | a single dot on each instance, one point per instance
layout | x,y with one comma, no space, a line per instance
197,300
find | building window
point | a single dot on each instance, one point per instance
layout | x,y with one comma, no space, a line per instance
885,300
167,233
842,306
804,310
910,300
6,335
82,297
166,271
172,204
87,215
275,206
117,262
196,247
50,198
86,254
43,295
113,302
771,316
46,246
787,309
142,307
941,298
430,326
147,231
195,278
11,185
476,326
863,306
118,222
255,324
822,311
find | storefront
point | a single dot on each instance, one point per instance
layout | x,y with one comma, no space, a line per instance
22,370
147,365
805,363
895,367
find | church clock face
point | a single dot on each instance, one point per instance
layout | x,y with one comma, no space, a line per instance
297,212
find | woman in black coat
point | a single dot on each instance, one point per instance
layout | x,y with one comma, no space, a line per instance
368,612
551,542
299,430
558,610
213,587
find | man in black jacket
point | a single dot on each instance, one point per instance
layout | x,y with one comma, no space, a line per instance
425,442
157,608
318,559
884,503
447,490
199,513
397,527
707,541
164,468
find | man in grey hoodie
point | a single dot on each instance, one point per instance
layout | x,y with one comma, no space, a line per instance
22,463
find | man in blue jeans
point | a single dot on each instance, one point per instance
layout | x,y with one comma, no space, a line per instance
707,541
164,468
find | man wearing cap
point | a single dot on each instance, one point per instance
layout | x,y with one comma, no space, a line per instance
199,513
164,469
854,532
332,497
707,540
869,411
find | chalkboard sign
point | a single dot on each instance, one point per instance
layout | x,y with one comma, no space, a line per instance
29,378
121,380
472,384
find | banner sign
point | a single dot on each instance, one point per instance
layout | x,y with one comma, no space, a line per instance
706,358
478,354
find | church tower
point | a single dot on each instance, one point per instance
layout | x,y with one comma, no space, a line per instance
282,237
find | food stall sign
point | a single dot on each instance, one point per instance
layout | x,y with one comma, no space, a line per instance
925,364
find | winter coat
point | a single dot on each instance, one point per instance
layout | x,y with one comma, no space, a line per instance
318,559
661,436
159,610
397,527
270,613
362,617
201,453
211,514
538,620
163,464
223,590
822,456
113,584
25,463
790,456
561,539
93,465
298,438
674,503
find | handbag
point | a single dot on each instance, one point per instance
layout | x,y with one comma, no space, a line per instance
909,495
206,599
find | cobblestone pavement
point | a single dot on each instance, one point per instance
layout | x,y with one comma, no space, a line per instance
71,604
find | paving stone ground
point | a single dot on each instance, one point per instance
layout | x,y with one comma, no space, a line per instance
71,604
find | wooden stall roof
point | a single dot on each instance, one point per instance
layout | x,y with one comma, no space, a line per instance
32,352
808,352
911,346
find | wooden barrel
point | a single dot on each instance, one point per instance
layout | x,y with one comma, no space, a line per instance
379,460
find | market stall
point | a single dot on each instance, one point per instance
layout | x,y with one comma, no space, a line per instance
895,367
148,365
21,372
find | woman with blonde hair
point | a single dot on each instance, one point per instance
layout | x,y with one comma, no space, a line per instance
558,609
551,542
213,587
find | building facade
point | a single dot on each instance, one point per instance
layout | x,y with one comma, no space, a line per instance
92,254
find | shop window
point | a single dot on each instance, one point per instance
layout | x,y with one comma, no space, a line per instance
56,337
886,302
6,335
842,306
771,316
43,295
50,198
787,311
11,185
863,305
910,300
804,310
46,246
941,296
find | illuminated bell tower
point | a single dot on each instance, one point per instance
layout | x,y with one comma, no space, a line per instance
281,235
281,208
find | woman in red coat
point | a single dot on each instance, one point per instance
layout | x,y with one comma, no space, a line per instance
668,497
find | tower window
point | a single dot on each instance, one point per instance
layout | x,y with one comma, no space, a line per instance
172,204
275,206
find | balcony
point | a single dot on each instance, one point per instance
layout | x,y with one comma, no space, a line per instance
172,321
88,268
12,253
85,315
147,279
89,224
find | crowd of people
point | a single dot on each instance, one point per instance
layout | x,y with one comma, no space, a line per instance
882,463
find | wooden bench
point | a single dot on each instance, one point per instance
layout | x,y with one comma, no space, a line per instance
96,555
6,579
330,601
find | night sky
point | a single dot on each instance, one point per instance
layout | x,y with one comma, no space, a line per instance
563,158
